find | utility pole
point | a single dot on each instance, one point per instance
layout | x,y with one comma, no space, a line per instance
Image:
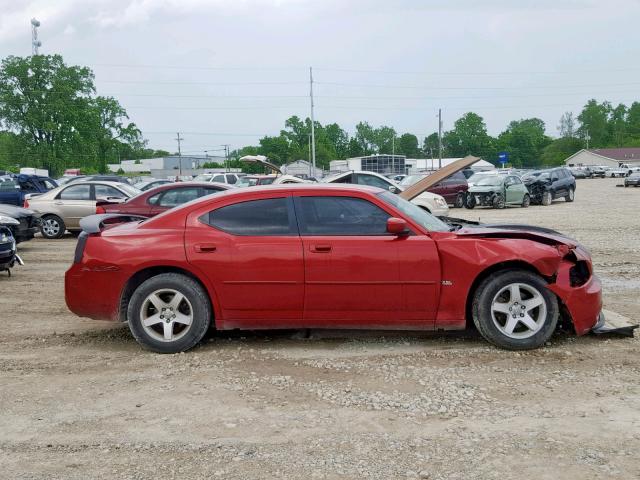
313,127
587,137
439,138
309,142
35,43
179,139
226,157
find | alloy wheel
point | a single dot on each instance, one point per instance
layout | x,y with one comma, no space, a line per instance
166,315
519,310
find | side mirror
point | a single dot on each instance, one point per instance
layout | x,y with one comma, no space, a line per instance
397,226
393,189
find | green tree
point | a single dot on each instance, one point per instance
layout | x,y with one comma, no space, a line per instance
469,137
567,126
617,127
557,151
594,123
525,141
407,144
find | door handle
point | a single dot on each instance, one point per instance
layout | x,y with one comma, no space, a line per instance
204,248
321,248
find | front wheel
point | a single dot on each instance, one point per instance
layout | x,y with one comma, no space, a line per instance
498,201
52,227
471,202
570,196
526,201
459,202
169,313
546,198
515,310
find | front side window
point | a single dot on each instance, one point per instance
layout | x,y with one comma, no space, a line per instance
76,192
176,197
340,216
218,178
268,217
415,213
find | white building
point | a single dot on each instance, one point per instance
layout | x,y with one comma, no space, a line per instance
386,164
607,157
301,168
173,162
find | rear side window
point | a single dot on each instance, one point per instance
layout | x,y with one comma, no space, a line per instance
176,197
231,179
268,217
76,192
340,216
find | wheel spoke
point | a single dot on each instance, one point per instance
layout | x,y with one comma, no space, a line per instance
529,322
501,307
176,300
534,302
182,318
168,330
511,325
514,292
157,302
152,320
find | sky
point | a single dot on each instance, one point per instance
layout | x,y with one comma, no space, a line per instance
231,71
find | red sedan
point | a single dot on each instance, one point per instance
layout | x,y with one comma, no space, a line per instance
326,256
159,199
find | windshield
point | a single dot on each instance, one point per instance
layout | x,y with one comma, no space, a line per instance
204,177
493,181
414,212
128,189
411,179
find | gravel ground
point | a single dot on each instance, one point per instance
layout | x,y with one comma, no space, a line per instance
79,399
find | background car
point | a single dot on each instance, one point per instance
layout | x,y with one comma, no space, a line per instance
28,222
547,185
64,207
229,178
149,184
453,188
14,189
431,202
632,180
162,198
271,179
100,178
497,191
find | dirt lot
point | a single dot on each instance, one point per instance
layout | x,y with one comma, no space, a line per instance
79,399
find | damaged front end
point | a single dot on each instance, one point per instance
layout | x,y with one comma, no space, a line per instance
537,190
484,199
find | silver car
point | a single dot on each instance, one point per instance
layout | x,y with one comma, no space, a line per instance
63,207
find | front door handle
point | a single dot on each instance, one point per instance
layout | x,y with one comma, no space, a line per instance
321,248
204,248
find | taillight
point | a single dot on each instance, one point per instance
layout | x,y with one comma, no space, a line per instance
100,210
25,204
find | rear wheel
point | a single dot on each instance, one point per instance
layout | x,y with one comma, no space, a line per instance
459,203
570,196
526,200
52,226
169,313
515,310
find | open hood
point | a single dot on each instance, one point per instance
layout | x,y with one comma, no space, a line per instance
427,182
260,160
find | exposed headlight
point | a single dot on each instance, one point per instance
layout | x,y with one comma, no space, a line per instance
4,238
441,202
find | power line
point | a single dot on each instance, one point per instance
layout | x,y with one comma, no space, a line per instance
422,87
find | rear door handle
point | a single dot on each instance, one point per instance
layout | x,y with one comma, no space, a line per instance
321,248
204,248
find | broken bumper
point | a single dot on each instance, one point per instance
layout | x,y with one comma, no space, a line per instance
614,324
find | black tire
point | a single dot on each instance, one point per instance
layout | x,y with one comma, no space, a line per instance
547,198
570,196
459,202
526,200
483,317
498,201
194,294
52,227
471,202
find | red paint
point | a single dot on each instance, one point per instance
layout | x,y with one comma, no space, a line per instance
423,280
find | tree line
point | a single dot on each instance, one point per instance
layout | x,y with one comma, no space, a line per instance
51,117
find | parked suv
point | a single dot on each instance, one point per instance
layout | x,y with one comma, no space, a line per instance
546,185
228,178
13,190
